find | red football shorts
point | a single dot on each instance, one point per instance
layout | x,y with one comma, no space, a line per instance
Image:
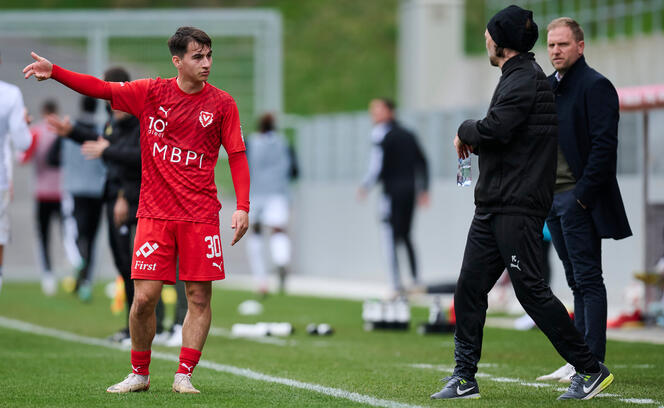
160,244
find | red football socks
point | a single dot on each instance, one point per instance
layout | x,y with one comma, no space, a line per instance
140,362
188,360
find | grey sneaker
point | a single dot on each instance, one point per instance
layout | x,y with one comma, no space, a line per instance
458,387
182,384
586,386
133,383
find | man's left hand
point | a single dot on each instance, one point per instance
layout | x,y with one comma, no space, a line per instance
240,223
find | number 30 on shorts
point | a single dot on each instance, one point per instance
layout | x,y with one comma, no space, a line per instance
214,245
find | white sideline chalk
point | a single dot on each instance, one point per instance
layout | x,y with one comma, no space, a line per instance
242,372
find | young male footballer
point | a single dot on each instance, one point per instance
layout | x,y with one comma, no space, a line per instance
184,121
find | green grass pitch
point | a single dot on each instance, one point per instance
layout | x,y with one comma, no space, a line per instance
389,368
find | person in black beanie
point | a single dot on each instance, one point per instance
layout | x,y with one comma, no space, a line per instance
517,143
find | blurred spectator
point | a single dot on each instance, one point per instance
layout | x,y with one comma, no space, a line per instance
14,133
397,161
46,189
272,165
83,183
119,147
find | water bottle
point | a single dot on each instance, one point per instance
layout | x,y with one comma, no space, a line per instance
435,312
464,178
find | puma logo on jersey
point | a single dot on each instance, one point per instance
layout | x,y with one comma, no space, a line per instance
515,263
218,265
161,108
205,118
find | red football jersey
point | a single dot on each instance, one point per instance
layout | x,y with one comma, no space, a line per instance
180,139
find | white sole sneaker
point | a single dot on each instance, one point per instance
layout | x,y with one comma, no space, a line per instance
133,383
182,384
48,284
563,373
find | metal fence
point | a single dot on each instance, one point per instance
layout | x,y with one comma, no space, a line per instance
603,18
336,147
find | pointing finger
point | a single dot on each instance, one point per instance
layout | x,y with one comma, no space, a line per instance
236,238
35,56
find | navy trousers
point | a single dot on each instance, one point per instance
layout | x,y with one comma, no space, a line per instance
579,247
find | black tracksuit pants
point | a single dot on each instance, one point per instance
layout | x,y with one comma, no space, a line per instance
398,217
496,242
45,211
87,213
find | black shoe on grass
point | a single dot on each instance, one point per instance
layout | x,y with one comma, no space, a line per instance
458,387
586,386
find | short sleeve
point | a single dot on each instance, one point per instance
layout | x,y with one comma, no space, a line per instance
130,96
231,129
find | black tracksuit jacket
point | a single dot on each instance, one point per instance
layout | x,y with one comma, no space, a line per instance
122,158
516,142
404,169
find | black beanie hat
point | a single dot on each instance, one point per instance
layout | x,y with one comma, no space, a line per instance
509,28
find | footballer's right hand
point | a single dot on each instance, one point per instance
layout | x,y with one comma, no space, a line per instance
41,68
240,223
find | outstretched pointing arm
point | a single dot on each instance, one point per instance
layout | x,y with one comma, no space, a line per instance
85,84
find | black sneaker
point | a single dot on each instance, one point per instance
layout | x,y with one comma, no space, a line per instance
586,386
458,387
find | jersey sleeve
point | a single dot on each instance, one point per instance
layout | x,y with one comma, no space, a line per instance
18,130
241,180
130,96
231,129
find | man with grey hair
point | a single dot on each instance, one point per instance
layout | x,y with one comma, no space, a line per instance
587,205
516,142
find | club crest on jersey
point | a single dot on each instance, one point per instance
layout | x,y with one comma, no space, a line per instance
205,118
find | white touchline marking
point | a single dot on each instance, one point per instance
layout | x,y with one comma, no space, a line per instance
632,366
222,332
242,372
638,400
505,380
450,369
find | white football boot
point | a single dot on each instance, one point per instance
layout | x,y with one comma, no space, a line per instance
133,383
563,374
182,384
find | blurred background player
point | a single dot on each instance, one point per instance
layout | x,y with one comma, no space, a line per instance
271,164
83,185
14,135
119,148
397,161
47,191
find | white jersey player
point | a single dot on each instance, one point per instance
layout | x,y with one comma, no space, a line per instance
14,133
271,164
